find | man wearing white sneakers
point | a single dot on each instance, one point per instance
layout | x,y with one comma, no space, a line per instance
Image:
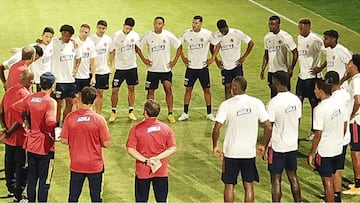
197,63
123,59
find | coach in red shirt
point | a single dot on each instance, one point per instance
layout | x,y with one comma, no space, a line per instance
14,135
86,133
150,142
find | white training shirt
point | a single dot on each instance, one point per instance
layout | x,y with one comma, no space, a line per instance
336,60
102,45
354,90
12,60
329,117
87,49
279,47
343,96
159,49
231,46
198,46
124,46
43,64
284,111
309,49
63,60
241,114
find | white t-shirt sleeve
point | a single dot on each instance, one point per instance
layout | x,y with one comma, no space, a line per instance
93,52
356,87
346,56
174,41
289,41
263,115
244,37
143,41
221,113
271,111
13,59
318,121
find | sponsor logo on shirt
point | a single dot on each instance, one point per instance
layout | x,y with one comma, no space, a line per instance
302,52
243,111
290,109
101,51
85,55
274,48
83,119
335,114
158,48
36,100
330,63
153,129
127,47
66,57
45,59
227,47
196,46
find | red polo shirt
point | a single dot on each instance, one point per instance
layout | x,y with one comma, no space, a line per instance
150,138
14,73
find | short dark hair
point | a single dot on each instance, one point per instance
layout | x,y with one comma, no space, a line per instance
198,17
332,77
241,81
221,24
88,95
102,22
159,18
152,108
356,60
274,18
305,21
67,28
332,34
85,25
282,77
38,50
130,22
48,29
28,53
324,86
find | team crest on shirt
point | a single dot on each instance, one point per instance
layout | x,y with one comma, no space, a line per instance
83,119
132,40
307,46
280,41
334,57
105,44
88,49
164,41
201,39
231,40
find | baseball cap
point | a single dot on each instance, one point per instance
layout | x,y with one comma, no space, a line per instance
47,80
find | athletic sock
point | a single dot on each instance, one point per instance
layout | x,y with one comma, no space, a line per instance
170,113
208,109
57,124
131,109
337,197
113,110
357,182
186,108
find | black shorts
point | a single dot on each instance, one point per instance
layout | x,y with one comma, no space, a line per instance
342,157
65,90
354,132
305,88
278,161
131,77
231,168
327,166
153,78
191,75
81,83
228,75
102,81
160,186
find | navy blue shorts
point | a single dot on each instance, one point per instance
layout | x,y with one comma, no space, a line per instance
153,78
355,142
131,77
81,83
278,161
65,90
327,166
228,75
231,168
191,75
305,88
342,157
102,81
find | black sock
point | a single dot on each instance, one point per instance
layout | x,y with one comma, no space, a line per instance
186,108
113,110
131,110
337,197
170,113
357,183
57,124
208,109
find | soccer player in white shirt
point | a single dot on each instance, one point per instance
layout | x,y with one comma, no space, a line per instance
330,121
87,64
123,58
241,114
278,46
232,63
310,47
284,111
353,70
64,65
102,43
343,96
197,64
337,56
159,43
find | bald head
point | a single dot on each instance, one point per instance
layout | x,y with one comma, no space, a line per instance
26,78
28,53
